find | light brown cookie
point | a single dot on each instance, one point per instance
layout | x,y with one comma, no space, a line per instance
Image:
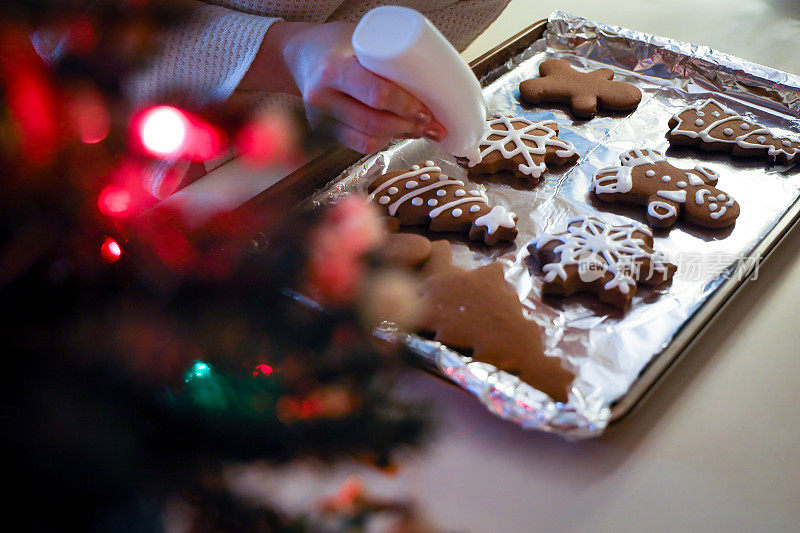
646,178
405,249
583,91
424,196
604,259
479,310
522,146
712,126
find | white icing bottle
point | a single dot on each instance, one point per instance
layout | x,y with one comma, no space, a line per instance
403,46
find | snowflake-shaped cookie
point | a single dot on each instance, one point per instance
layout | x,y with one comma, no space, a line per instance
521,146
605,259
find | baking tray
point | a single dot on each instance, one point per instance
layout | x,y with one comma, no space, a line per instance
488,68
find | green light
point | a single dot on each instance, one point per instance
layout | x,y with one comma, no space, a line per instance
199,370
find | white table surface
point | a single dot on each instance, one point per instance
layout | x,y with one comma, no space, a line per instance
716,446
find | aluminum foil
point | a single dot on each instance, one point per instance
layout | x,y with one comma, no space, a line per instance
606,349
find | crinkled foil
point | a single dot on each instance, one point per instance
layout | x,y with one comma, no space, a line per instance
607,350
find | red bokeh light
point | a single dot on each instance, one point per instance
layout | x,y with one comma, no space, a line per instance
166,132
268,139
29,96
114,201
89,116
110,250
263,370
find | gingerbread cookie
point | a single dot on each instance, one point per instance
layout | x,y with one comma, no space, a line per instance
405,249
604,259
712,126
423,195
646,178
522,146
583,91
479,310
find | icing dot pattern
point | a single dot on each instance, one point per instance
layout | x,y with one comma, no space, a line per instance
445,201
728,129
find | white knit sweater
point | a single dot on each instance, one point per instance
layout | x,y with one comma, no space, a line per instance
209,54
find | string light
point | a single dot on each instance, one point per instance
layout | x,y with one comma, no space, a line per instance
167,132
163,130
110,250
114,201
262,370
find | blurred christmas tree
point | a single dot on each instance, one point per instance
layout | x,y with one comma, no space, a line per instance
141,356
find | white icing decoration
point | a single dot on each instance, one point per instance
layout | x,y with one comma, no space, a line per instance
474,209
639,157
700,114
681,184
675,196
475,193
424,177
444,207
432,202
698,122
429,163
712,199
759,133
383,200
388,184
694,180
515,137
612,180
665,179
460,192
669,210
457,212
717,214
590,240
711,175
416,201
730,202
712,206
443,176
699,195
411,184
417,192
721,197
650,173
498,217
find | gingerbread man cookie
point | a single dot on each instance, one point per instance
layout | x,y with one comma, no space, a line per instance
522,146
479,310
712,126
423,195
646,178
583,91
604,259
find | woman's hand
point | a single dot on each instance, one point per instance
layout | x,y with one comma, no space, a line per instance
366,111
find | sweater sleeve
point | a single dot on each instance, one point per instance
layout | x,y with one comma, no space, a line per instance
462,21
205,57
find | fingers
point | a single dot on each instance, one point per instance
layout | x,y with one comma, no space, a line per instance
381,94
359,141
345,133
373,122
